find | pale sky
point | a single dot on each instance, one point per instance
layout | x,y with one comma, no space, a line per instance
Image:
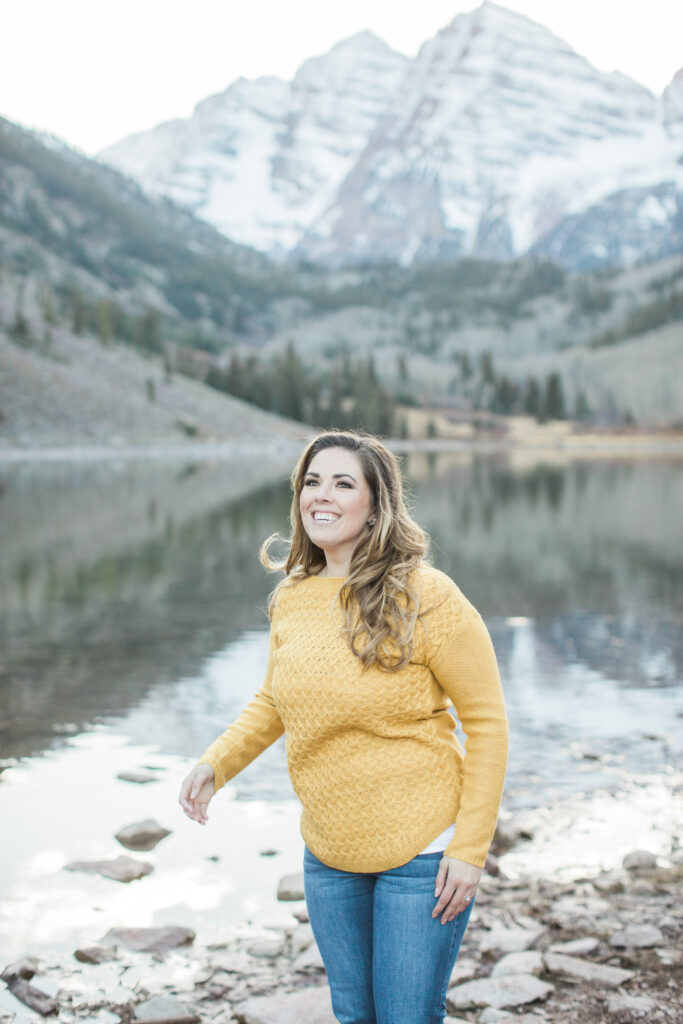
93,71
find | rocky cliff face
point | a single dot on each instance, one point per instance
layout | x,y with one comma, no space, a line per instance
496,140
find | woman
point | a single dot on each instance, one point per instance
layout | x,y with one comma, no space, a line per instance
369,647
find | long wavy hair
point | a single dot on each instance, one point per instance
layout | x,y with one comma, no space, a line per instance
379,607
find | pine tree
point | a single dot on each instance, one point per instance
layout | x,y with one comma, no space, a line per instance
531,400
77,312
553,398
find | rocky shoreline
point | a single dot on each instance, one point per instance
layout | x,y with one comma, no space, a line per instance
598,949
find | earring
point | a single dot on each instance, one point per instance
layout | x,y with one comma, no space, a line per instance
371,522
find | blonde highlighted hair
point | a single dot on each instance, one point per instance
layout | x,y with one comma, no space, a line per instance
379,607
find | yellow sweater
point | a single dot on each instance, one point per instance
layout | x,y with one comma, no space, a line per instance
372,755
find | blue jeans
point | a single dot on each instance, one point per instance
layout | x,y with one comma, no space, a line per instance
388,961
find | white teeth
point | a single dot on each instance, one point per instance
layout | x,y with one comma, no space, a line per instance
324,517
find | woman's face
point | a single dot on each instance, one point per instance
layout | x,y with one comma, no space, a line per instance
335,502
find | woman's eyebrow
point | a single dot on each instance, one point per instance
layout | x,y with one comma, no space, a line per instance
335,476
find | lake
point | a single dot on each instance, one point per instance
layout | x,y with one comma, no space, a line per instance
133,630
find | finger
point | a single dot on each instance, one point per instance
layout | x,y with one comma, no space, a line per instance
461,901
445,898
441,876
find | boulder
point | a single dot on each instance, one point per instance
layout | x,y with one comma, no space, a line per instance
25,967
142,835
121,869
311,1005
584,970
33,997
528,961
637,936
291,887
163,1010
149,940
511,990
640,860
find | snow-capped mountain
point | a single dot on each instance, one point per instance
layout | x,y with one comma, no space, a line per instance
497,139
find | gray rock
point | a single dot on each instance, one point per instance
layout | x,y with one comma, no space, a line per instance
121,869
509,940
636,1006
140,777
508,834
608,883
149,940
164,1010
309,960
464,970
25,967
529,961
637,936
38,1000
267,948
96,954
573,967
311,1005
493,1016
639,860
302,938
291,887
512,990
577,947
142,835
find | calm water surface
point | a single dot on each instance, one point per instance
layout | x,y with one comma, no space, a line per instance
133,629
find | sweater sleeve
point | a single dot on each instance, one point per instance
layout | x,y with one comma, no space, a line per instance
463,661
255,729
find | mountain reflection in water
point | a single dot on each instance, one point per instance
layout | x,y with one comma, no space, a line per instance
132,597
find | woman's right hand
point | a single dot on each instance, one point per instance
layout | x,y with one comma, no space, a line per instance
196,791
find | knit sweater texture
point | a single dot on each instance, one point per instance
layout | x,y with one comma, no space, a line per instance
372,755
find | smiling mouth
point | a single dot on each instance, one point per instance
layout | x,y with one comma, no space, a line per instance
324,517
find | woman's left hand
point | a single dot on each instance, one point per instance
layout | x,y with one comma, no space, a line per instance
456,885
